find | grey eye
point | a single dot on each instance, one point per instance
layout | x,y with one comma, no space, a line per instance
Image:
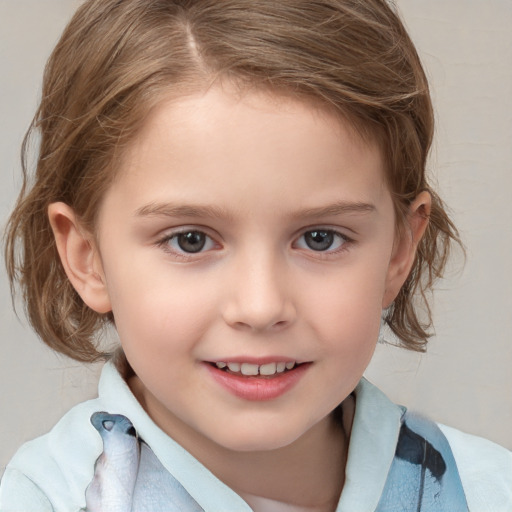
191,241
187,241
319,240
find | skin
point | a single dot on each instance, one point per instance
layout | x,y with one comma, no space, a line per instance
254,173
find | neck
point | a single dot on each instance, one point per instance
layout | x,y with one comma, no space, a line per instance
308,473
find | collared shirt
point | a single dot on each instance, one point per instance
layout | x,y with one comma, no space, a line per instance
52,473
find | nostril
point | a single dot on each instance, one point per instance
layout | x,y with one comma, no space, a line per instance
242,326
251,315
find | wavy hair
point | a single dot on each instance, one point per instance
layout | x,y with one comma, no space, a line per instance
117,59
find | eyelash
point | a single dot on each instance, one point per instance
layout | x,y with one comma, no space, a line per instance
343,240
164,242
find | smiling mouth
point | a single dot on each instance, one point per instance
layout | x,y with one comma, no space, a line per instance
258,382
253,370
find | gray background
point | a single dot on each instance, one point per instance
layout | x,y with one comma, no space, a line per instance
465,380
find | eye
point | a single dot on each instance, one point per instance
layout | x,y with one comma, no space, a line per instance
321,240
190,242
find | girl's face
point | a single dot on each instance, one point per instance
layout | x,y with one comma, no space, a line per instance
247,249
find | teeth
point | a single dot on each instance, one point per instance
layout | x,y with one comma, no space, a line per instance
268,369
249,369
254,369
234,367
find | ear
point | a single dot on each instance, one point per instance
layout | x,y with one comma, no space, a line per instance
404,250
80,257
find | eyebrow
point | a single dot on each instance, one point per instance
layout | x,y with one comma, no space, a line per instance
339,208
212,211
185,210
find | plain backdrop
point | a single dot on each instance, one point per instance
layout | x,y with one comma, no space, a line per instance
465,379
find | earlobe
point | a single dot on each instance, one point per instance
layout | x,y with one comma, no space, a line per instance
80,257
404,251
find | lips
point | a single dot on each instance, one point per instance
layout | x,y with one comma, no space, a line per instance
257,382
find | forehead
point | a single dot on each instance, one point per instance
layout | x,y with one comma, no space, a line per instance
223,105
274,145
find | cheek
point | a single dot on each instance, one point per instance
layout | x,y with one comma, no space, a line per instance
351,300
157,306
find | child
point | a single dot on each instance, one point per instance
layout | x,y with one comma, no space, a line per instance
239,187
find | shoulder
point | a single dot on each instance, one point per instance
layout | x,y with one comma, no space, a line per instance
52,471
485,469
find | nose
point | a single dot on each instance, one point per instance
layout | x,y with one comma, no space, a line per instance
259,295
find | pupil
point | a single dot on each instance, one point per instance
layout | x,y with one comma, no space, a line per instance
193,241
319,240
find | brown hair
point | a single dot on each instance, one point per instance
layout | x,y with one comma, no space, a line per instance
117,59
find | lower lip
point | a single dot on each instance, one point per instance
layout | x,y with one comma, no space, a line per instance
257,388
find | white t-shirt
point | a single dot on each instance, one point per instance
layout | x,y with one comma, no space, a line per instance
52,473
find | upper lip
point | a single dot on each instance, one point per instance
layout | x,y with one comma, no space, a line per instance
256,360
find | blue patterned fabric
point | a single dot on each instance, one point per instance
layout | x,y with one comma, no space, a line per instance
423,475
128,476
